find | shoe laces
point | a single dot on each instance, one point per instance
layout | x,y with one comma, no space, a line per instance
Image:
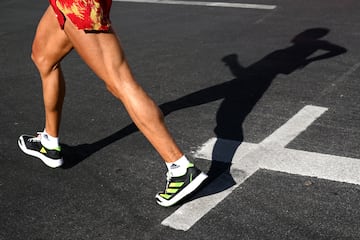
37,138
168,176
168,179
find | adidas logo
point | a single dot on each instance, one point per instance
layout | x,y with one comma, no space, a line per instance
174,166
44,135
43,150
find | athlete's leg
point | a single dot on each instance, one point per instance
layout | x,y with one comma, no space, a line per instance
50,45
104,55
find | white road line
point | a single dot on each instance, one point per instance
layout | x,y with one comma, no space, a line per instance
269,154
294,126
325,166
207,4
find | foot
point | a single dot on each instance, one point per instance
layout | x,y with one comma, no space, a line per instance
177,188
32,146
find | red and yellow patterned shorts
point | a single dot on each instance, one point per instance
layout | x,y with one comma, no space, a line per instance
91,15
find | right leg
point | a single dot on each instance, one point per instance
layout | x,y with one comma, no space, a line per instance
50,45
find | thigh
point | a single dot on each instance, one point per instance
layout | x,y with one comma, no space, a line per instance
101,51
51,43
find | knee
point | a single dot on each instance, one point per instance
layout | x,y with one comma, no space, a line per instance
36,56
41,61
112,90
118,85
117,90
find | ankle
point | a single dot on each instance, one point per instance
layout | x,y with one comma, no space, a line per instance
179,167
49,141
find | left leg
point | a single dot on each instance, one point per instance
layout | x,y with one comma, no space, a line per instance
50,45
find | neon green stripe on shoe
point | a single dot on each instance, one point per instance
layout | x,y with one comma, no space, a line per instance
176,184
172,190
190,165
58,148
166,196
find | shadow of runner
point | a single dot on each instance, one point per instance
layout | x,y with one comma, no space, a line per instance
239,95
73,155
242,93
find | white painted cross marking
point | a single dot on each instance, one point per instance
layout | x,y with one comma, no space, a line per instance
269,154
206,4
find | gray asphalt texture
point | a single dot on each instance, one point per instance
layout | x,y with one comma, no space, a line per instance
191,60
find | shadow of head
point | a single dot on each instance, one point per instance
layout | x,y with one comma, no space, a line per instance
310,35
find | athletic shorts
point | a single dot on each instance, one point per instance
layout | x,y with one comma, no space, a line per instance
90,15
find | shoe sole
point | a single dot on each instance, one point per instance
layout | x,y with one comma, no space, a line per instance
53,163
183,193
